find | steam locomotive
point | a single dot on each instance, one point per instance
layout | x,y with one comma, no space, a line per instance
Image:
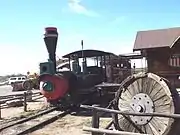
74,86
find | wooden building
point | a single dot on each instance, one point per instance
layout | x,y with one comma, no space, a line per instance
118,68
162,50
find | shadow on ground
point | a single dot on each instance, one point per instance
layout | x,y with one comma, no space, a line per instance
89,112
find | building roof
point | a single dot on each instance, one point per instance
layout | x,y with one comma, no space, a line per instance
87,53
131,56
156,38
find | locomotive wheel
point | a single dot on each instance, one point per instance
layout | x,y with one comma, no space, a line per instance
146,93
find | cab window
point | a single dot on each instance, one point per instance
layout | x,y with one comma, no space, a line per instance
12,78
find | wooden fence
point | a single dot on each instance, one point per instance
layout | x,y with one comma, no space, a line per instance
21,98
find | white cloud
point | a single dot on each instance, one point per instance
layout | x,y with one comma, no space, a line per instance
77,7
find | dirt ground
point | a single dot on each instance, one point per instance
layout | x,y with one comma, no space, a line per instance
12,112
68,125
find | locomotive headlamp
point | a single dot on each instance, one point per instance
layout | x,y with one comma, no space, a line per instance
48,86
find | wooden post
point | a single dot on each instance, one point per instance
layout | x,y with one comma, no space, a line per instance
25,104
0,111
95,121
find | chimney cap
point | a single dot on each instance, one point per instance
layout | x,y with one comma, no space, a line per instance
50,29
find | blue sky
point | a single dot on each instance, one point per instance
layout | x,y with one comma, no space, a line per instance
109,25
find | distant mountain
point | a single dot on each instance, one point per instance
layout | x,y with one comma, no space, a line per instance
3,78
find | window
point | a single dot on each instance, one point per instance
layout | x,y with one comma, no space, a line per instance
174,60
12,78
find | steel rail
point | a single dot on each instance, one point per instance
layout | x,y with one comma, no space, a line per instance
27,119
44,123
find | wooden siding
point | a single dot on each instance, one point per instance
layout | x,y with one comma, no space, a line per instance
165,62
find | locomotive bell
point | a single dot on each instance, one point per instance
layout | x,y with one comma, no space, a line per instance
50,39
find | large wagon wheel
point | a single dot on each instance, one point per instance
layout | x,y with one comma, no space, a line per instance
146,93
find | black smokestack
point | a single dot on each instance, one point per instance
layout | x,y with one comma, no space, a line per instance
50,39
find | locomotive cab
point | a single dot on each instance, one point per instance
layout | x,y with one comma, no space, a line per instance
88,67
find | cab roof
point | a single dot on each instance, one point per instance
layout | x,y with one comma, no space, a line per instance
87,53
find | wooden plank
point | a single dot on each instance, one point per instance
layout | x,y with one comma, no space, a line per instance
0,111
112,132
108,85
175,116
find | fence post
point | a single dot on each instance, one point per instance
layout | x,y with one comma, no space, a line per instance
95,120
29,95
25,104
0,112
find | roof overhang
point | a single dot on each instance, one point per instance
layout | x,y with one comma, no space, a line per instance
149,48
174,42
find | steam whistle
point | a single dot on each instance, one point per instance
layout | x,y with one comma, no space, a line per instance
50,39
84,65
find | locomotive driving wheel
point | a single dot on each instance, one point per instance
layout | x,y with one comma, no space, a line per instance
145,93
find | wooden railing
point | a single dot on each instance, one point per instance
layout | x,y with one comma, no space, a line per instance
25,97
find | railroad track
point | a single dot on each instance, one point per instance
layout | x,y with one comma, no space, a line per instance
6,122
32,123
